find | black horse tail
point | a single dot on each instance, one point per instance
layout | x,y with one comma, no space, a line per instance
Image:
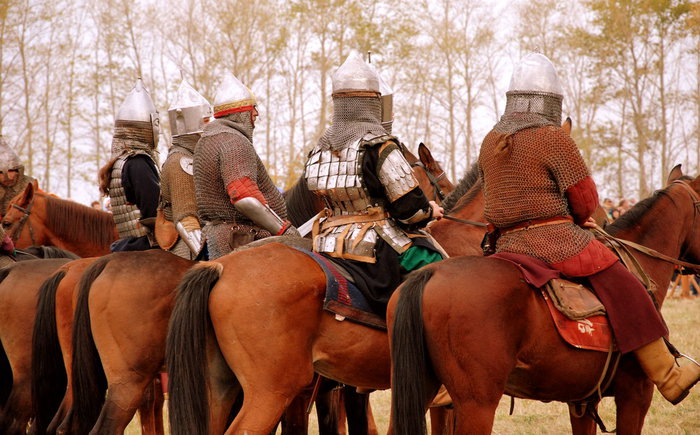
89,380
409,359
5,369
49,378
185,351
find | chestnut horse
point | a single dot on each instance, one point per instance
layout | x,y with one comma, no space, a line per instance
19,287
35,218
123,354
474,325
252,321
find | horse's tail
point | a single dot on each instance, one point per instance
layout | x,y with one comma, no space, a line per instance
408,358
89,380
5,369
185,350
48,372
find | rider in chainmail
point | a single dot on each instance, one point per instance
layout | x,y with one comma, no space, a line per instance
12,178
539,194
236,197
373,198
131,177
182,233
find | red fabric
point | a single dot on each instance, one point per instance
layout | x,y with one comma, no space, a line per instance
631,312
583,199
536,272
221,113
594,258
7,246
591,333
243,188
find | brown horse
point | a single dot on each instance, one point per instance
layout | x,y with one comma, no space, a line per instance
19,287
474,325
258,314
35,218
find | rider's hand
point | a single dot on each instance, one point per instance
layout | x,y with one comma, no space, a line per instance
590,223
438,211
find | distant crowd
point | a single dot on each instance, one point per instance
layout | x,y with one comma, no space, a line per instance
615,211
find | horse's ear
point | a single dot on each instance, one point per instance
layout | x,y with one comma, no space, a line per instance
27,195
35,182
426,156
566,125
675,174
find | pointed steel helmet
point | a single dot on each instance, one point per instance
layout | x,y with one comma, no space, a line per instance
535,73
188,111
232,97
8,157
139,107
535,88
387,100
355,75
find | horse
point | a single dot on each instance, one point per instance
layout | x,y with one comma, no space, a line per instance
35,217
474,325
253,321
112,276
20,285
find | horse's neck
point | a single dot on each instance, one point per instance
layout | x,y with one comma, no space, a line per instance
663,238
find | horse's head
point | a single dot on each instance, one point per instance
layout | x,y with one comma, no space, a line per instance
688,199
18,212
430,175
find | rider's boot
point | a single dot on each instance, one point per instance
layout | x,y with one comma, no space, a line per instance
673,382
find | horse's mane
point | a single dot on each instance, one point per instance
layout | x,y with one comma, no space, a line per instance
300,202
631,217
70,219
464,185
49,252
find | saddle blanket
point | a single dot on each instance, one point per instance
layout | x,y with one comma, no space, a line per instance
343,298
590,333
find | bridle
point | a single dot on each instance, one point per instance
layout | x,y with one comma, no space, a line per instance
434,181
24,219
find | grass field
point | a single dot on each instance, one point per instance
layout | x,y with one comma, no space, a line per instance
530,417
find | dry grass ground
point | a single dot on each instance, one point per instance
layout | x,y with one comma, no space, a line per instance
530,417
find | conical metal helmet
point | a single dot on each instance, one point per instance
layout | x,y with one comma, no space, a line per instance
188,111
535,73
232,97
8,157
387,100
355,75
139,107
535,88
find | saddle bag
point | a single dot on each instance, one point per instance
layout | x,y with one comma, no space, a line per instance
574,300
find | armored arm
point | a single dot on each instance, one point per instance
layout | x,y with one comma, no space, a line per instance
248,200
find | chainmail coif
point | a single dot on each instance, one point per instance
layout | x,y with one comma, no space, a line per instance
353,118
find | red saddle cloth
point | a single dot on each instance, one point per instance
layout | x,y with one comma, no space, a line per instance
591,333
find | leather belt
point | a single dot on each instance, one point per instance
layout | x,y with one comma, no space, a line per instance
535,223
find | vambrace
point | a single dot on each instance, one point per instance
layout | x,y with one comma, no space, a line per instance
261,214
192,238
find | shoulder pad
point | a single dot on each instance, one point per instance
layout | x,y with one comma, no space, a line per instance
187,164
370,140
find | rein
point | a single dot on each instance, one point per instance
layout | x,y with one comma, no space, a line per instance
465,221
434,181
653,253
27,211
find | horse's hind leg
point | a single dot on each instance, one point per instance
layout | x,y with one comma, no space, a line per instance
474,418
18,409
124,397
151,409
633,395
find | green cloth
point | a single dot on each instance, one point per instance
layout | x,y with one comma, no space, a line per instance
416,257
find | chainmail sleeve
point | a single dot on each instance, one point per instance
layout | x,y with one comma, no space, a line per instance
564,160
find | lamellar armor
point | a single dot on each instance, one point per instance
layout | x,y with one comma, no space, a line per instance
188,114
356,219
136,130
